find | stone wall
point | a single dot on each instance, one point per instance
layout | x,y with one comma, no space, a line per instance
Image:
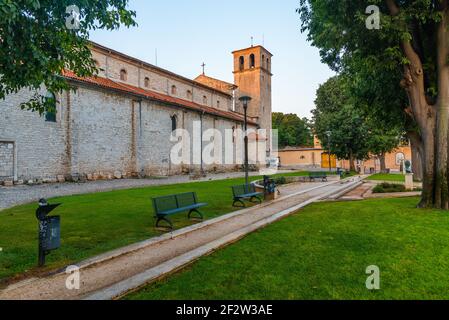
111,65
39,145
99,134
6,160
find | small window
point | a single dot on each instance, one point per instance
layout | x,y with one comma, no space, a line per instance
263,60
50,102
97,64
189,95
174,124
174,90
400,158
268,64
146,82
123,75
242,63
204,100
252,61
218,103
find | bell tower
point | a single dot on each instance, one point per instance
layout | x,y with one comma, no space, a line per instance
252,76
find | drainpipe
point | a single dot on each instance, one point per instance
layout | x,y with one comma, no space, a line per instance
201,141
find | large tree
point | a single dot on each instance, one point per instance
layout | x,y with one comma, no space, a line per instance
292,130
414,38
41,38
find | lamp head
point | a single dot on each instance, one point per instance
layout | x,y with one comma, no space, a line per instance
245,100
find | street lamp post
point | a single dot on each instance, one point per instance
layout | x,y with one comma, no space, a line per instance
245,100
329,133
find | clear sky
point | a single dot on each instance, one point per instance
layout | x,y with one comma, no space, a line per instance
187,33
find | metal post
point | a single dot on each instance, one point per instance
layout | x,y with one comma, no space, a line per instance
329,150
330,164
41,259
245,100
245,107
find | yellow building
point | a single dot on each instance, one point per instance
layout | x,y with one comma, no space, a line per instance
314,157
317,157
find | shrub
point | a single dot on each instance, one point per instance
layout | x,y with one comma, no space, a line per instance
280,181
389,188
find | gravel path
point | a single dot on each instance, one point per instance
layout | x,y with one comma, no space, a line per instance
124,266
17,195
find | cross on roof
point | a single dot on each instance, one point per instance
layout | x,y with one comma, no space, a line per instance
203,65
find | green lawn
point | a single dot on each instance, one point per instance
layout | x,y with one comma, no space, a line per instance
96,223
387,177
322,253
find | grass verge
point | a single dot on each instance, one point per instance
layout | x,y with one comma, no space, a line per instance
323,253
96,223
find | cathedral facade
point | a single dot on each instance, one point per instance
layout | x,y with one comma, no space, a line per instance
120,123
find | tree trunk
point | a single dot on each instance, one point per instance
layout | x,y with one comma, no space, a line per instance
351,162
383,164
432,120
416,146
442,129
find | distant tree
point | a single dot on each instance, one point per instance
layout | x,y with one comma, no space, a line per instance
41,38
355,133
382,140
292,130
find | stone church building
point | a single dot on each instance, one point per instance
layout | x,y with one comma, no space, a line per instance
120,122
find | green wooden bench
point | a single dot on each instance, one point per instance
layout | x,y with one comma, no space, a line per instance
318,175
245,192
168,205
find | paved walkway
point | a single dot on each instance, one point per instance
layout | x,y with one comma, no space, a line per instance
358,193
13,196
115,273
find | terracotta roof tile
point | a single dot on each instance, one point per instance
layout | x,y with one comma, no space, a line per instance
152,95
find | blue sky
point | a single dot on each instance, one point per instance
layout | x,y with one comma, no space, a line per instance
188,32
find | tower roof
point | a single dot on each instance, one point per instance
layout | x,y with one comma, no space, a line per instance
251,48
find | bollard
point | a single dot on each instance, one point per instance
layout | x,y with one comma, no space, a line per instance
49,230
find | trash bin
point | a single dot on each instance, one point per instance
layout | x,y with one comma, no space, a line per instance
269,188
49,230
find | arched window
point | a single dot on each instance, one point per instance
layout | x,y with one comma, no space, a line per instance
174,90
218,103
146,82
241,63
268,64
263,61
189,95
204,100
50,103
252,61
123,75
174,124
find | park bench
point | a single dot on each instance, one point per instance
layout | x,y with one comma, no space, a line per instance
169,205
246,192
318,175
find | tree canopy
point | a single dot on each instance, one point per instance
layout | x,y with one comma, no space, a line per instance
408,51
292,130
350,129
41,38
